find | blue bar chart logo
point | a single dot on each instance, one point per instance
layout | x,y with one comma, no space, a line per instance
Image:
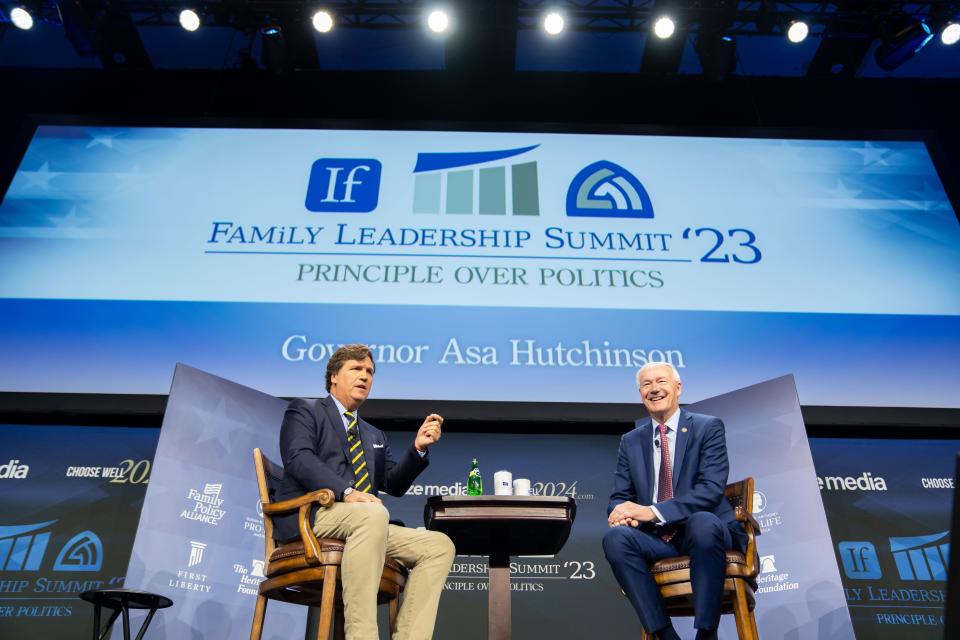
607,190
859,560
921,557
344,185
22,547
477,182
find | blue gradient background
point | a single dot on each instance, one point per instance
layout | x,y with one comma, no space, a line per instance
131,347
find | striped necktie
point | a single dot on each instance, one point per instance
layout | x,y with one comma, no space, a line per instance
361,474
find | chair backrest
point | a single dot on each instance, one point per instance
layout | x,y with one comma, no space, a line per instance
740,496
269,476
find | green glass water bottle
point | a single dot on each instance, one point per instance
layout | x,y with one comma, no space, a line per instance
474,481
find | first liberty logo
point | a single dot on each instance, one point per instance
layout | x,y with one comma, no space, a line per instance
344,185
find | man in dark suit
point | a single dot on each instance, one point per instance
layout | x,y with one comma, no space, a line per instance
668,501
324,444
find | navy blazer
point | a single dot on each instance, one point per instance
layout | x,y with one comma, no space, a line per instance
700,469
314,450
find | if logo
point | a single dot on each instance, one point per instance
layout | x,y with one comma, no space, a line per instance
859,560
344,185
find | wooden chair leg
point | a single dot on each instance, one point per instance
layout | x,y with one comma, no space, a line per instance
741,612
394,609
753,627
256,629
327,602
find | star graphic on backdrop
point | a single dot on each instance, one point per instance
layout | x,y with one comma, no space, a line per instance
217,425
70,220
872,154
40,178
106,139
841,192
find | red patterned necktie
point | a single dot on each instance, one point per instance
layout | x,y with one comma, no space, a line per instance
665,479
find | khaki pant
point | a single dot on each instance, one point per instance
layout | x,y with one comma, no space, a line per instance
427,554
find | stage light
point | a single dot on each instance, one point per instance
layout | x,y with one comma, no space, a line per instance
438,21
717,54
273,52
189,20
902,45
553,23
950,34
798,31
323,21
21,18
664,27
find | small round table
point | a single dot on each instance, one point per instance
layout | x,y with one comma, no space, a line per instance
121,601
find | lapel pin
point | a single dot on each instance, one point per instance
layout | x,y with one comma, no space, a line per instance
684,429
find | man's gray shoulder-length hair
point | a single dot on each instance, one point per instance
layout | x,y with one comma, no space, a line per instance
650,365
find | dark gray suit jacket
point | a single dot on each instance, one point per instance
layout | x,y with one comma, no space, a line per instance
313,446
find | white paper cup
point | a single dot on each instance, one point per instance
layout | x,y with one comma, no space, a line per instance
521,487
503,483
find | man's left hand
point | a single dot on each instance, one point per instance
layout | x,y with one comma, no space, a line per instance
429,432
630,514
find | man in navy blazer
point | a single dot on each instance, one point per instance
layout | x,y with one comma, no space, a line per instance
325,444
668,501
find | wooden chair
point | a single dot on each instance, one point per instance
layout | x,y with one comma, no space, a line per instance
307,571
673,574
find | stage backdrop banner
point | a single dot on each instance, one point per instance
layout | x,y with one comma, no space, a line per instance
69,501
199,537
800,592
519,266
200,540
889,504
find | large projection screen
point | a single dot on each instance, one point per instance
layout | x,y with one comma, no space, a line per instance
482,266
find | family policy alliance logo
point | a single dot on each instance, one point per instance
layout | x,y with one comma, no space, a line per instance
207,505
607,190
22,548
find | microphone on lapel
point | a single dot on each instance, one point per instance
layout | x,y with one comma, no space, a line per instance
656,442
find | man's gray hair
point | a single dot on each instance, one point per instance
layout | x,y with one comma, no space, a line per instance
650,365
